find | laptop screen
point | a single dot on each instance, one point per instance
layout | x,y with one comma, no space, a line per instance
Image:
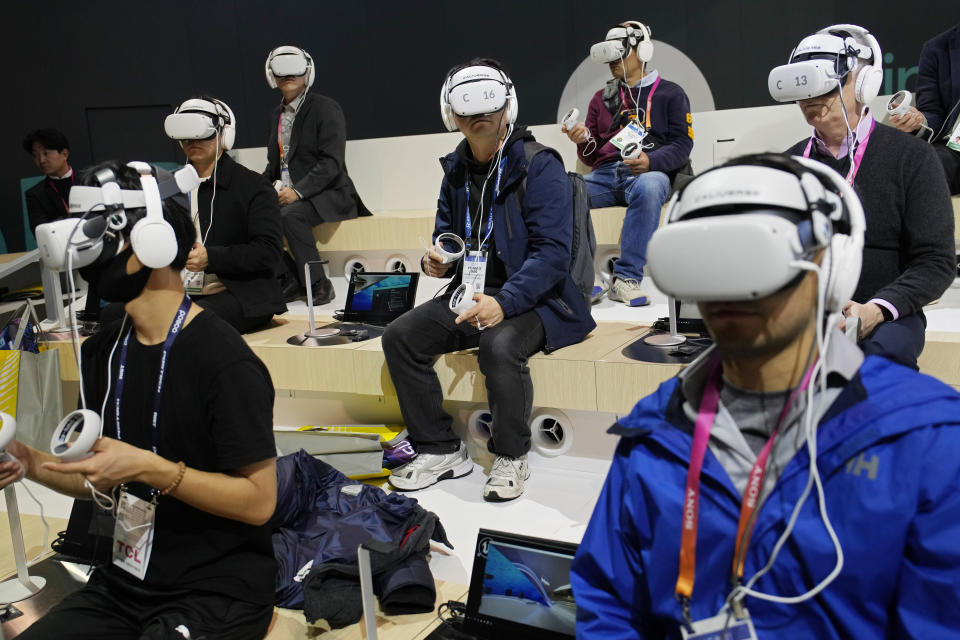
380,297
520,588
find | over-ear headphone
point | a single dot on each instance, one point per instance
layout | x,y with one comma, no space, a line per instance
638,37
741,218
288,60
869,77
153,239
485,82
183,124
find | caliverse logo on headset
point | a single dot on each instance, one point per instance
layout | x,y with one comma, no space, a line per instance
727,194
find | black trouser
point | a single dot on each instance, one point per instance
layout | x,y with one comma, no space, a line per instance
105,609
950,160
412,342
900,340
226,305
298,220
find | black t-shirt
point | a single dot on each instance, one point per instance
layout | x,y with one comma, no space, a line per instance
216,415
478,173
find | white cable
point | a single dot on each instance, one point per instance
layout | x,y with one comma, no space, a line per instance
216,160
74,333
46,525
106,396
499,156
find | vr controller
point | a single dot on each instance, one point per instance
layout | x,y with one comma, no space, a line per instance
444,241
571,119
74,436
462,298
631,150
8,429
899,103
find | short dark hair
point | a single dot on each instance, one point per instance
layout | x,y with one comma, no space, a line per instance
48,138
478,62
173,212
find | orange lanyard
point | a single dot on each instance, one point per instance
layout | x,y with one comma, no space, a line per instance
691,501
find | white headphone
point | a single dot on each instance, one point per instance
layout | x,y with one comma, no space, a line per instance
510,95
869,77
303,64
644,44
621,39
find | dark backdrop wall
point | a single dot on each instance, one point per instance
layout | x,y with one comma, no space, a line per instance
106,72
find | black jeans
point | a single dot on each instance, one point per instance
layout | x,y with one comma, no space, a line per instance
298,220
105,609
226,305
413,341
900,340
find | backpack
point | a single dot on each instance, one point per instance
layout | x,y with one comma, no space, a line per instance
583,246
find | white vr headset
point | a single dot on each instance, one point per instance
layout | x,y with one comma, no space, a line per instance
109,214
475,91
201,119
742,232
620,40
820,63
288,61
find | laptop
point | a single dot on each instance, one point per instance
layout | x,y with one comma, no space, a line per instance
520,588
378,298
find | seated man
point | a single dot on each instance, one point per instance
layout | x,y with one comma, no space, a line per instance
48,200
205,568
707,507
641,183
938,101
908,258
510,200
231,268
305,149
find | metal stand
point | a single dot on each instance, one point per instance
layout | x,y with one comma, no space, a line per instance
314,337
673,338
23,586
53,301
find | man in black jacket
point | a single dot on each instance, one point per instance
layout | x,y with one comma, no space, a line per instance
47,200
908,255
305,151
231,268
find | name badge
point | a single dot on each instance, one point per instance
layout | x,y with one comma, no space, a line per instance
285,176
633,132
192,281
475,270
133,534
954,140
725,626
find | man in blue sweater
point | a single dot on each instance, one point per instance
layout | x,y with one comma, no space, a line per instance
640,98
712,516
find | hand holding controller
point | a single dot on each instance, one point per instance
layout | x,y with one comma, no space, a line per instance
462,299
8,430
631,150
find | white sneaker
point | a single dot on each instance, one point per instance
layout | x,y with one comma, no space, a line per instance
628,291
430,468
506,479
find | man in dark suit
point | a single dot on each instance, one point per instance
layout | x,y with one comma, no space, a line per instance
47,200
231,268
938,100
305,161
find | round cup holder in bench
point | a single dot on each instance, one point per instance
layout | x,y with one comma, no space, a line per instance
551,433
480,423
399,264
355,264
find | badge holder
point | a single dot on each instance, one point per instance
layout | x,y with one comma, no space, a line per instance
633,133
24,585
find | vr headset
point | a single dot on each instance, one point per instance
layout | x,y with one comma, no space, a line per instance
474,91
620,40
202,119
743,232
821,61
111,214
288,61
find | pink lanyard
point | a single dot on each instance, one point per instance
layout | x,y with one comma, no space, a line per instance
857,155
646,118
54,187
691,500
280,138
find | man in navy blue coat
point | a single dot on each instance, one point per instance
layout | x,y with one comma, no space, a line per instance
938,100
515,215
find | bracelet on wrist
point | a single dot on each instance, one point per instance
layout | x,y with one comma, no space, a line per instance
181,470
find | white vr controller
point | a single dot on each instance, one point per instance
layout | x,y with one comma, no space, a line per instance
462,298
74,436
570,120
450,256
899,103
631,150
8,430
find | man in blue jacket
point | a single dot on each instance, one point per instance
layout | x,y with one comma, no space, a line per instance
510,202
712,516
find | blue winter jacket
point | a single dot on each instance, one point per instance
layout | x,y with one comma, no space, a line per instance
888,455
532,238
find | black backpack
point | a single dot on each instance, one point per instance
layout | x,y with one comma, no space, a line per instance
583,246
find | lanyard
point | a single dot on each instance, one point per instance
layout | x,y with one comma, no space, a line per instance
50,181
857,155
283,160
646,117
172,334
691,501
496,192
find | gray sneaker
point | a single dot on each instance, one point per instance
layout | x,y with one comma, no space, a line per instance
430,468
506,479
628,291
